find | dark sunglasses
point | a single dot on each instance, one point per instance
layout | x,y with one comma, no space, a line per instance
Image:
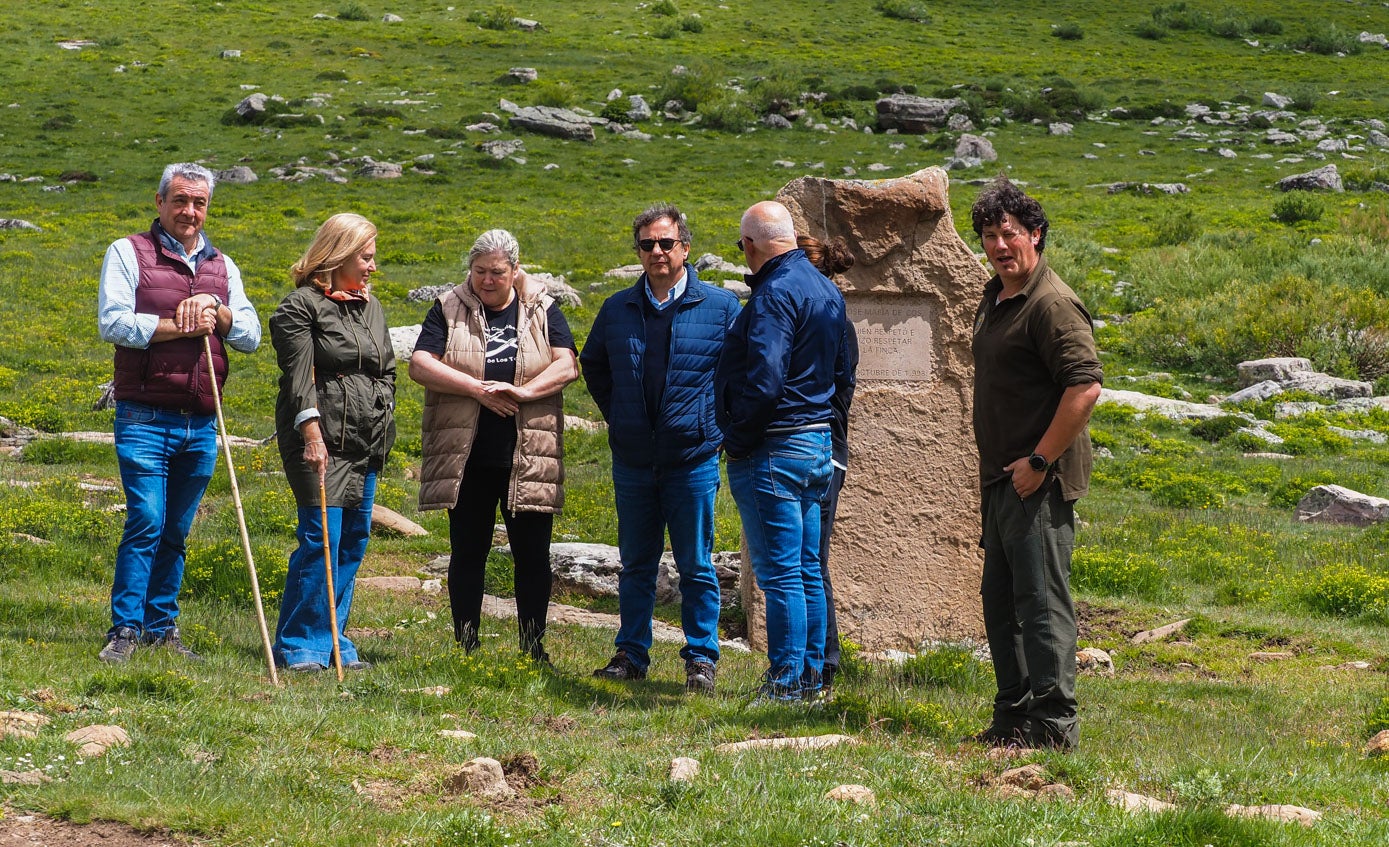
649,244
741,248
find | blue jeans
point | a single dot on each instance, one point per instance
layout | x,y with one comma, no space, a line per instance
650,501
166,459
304,632
778,488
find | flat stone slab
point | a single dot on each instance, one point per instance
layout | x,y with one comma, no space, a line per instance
1340,505
809,742
1177,410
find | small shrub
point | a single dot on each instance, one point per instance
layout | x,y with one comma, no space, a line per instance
858,92
219,572
949,666
852,665
1217,428
727,113
1287,494
615,110
692,23
1188,491
1345,591
692,88
499,18
1227,27
560,95
1068,32
1118,574
1295,207
1176,226
665,8
903,10
774,94
1304,98
332,76
1162,109
353,12
1378,721
1327,40
473,828
62,451
1265,25
1205,787
665,29
147,684
1150,30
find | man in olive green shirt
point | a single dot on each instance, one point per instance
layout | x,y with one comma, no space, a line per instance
1037,378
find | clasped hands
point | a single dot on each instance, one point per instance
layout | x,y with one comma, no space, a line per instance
197,315
501,398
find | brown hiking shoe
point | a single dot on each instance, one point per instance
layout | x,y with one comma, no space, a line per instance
620,667
699,677
120,647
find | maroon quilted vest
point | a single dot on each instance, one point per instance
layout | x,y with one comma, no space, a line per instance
172,374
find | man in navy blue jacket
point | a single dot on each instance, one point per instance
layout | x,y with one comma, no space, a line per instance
649,364
784,360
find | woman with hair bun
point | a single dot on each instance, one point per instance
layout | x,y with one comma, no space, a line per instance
833,258
335,424
494,355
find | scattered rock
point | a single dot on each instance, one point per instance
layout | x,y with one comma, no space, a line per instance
625,272
231,54
95,740
526,24
1029,777
502,148
684,769
1379,745
1280,137
22,724
1274,812
1310,382
715,262
1373,38
522,75
638,109
16,223
1177,410
403,338
558,287
432,691
775,121
402,584
380,170
738,287
33,777
482,777
1325,178
1160,633
238,175
1277,101
975,147
505,609
457,734
810,742
1267,656
1095,661
389,18
861,794
1349,666
1131,802
393,521
1339,505
1278,369
1149,187
959,123
1059,128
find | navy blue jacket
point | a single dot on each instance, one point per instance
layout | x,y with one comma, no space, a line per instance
685,430
786,356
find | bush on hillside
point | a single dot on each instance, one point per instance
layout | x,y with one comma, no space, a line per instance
353,12
1297,206
1217,428
1068,32
692,87
1176,226
1378,721
1119,573
664,8
692,23
1347,591
1150,30
727,112
776,93
1161,109
903,10
499,17
1327,39
561,95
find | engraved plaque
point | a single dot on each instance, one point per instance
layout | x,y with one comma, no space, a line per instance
894,337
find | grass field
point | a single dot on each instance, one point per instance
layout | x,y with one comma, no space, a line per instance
1179,524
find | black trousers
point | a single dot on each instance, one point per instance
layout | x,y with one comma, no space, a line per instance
471,522
828,507
1028,613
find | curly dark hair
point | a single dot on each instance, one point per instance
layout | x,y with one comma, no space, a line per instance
1001,197
830,258
661,211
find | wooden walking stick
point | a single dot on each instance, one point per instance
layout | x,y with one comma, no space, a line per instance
240,513
328,575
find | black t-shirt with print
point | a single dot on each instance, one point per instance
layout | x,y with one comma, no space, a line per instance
495,441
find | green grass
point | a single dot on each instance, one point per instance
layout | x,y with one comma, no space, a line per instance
1178,524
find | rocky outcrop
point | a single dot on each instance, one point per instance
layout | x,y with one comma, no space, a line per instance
1277,369
1177,410
482,777
912,114
1308,381
1325,178
1339,505
553,121
975,147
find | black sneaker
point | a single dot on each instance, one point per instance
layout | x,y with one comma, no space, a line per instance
827,678
170,641
120,647
620,667
699,677
357,665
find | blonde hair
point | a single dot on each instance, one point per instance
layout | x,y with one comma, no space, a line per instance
340,238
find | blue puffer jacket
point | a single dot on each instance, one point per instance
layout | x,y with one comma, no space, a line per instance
786,356
612,359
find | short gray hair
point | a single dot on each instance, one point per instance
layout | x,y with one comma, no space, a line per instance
189,171
660,212
495,241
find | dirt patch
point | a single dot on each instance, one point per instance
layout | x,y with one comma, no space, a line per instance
557,724
25,829
1095,623
522,771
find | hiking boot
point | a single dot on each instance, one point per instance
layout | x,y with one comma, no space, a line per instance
308,667
699,677
827,678
1043,737
620,667
357,665
771,692
1004,736
171,641
120,647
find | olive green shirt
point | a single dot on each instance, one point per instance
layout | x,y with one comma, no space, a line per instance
1028,350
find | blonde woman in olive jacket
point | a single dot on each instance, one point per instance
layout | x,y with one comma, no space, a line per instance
494,355
335,422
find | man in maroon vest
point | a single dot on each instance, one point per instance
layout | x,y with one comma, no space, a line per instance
161,292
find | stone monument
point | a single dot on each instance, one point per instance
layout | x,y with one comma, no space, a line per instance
904,560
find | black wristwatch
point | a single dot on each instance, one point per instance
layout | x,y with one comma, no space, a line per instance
1038,462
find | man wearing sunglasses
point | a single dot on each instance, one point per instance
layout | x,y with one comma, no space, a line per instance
649,364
